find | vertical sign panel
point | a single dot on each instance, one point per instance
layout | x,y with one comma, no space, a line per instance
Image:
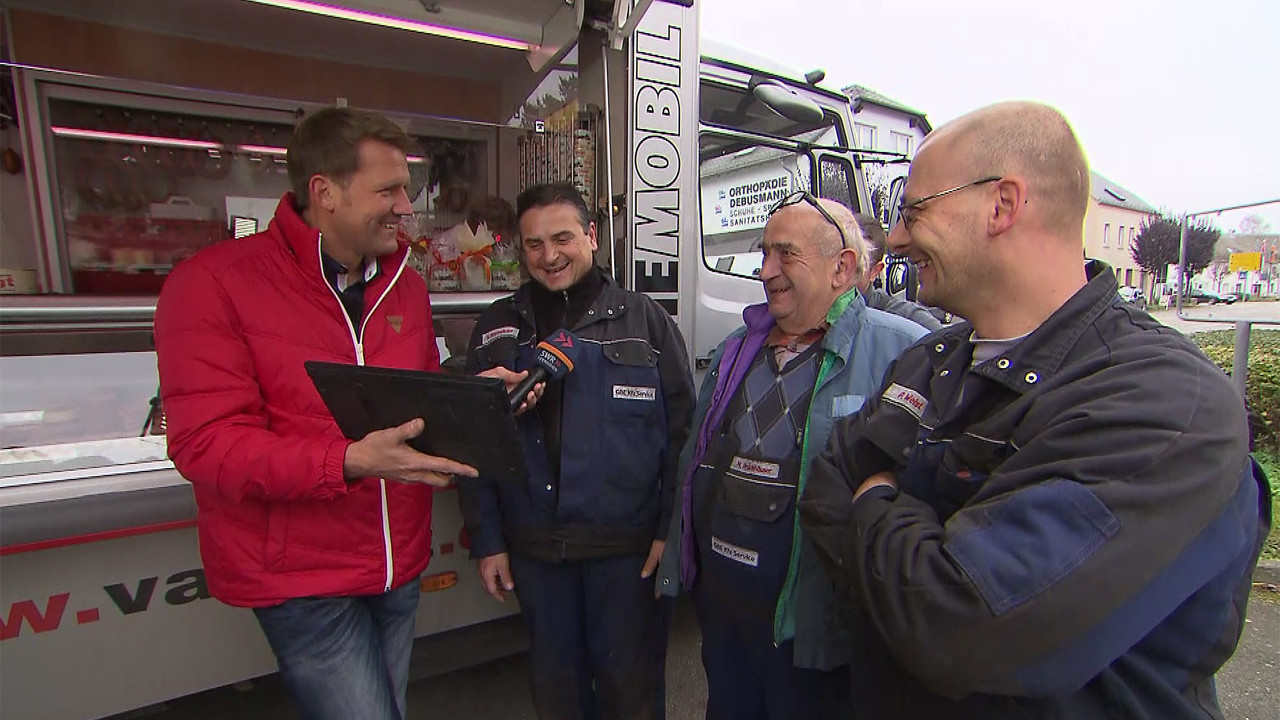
663,161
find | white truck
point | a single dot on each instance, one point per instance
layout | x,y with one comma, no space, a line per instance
151,128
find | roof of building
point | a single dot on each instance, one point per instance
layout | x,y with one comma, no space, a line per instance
1109,193
867,95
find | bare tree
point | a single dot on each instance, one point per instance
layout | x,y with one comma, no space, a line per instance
1254,224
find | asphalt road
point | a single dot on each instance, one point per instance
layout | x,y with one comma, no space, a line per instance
1249,685
1225,315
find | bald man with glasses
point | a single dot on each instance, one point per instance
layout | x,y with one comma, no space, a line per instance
1047,511
775,644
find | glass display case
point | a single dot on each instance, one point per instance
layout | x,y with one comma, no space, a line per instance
137,183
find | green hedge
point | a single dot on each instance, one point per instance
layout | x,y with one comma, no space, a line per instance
1263,386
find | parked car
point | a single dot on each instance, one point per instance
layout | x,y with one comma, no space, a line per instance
1132,295
1212,298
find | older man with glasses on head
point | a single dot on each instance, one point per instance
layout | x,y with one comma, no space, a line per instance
774,642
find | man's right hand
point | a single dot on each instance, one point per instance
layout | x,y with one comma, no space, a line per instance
495,572
386,454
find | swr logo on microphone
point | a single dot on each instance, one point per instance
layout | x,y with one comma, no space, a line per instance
553,358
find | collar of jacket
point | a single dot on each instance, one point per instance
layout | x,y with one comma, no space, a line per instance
303,242
1040,355
843,317
609,304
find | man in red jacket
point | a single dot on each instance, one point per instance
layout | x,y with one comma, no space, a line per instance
323,537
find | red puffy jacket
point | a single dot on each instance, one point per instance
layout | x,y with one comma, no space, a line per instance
247,428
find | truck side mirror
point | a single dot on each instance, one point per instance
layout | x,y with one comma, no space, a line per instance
786,102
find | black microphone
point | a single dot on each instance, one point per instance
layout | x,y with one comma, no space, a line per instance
553,358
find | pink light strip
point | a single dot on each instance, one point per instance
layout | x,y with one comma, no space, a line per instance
263,150
82,134
397,23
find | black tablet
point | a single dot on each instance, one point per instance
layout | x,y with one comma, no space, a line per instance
467,418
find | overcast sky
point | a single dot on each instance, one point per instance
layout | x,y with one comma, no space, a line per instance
1178,101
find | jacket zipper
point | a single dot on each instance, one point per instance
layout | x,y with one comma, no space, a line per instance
357,342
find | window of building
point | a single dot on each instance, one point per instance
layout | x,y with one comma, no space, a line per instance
866,136
902,143
1106,235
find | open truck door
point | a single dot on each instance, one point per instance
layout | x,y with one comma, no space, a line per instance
764,132
899,274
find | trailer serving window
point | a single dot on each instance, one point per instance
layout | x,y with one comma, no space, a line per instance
130,181
138,181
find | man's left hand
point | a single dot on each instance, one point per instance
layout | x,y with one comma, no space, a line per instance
511,379
880,479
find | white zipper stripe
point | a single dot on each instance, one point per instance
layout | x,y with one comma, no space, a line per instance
351,329
369,313
386,534
382,483
359,347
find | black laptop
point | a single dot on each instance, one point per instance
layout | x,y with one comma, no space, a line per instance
467,418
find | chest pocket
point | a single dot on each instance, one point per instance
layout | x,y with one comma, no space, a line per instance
747,537
844,405
502,350
631,379
963,468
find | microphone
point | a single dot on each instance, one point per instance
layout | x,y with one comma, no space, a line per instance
553,358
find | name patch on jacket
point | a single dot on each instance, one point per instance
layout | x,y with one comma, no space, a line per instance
906,398
735,553
631,392
758,468
498,333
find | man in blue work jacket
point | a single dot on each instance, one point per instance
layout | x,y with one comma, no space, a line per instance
579,538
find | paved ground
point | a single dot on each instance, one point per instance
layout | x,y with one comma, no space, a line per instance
1248,686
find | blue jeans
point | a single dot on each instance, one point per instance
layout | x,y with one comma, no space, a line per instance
345,657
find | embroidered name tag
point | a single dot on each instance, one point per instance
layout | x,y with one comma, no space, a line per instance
906,398
496,333
629,392
735,553
758,468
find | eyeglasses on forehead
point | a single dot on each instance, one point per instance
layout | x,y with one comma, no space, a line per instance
808,197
